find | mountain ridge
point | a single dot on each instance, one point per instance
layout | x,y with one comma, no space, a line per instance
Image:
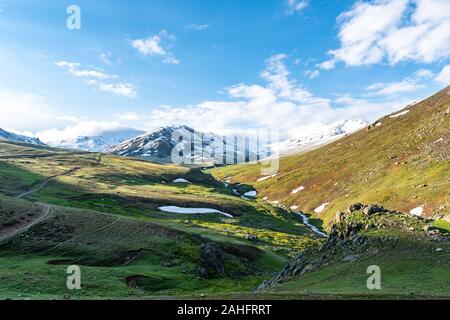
10,136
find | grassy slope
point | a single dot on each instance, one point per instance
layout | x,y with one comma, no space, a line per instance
412,266
402,163
108,210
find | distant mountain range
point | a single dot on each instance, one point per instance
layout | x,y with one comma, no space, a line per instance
204,147
158,145
99,142
5,135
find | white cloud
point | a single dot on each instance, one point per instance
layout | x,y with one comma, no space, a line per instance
74,70
29,112
82,128
100,80
293,6
362,108
424,73
121,89
281,104
312,74
393,31
444,76
157,46
196,27
327,65
105,58
395,88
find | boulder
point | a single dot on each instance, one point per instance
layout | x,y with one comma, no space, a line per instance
372,209
355,207
340,216
212,261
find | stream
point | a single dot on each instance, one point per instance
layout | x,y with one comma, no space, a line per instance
304,217
306,222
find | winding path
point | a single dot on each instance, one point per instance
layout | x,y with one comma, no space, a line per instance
46,181
18,231
46,207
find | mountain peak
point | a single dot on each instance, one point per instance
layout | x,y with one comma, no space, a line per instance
6,135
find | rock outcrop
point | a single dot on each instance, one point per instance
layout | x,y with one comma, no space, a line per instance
348,240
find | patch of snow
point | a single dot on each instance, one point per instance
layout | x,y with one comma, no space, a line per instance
378,124
417,211
322,207
267,178
174,209
399,114
251,194
294,207
180,180
298,190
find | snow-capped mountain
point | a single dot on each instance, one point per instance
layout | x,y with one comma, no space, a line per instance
5,135
189,145
318,136
99,142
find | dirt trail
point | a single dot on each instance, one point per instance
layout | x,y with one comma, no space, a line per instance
22,228
16,230
46,181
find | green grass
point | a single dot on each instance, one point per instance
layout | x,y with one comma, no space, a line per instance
108,209
101,243
410,268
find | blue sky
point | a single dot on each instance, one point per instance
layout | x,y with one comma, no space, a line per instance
216,65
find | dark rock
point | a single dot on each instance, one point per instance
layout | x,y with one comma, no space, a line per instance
372,209
212,260
355,207
340,216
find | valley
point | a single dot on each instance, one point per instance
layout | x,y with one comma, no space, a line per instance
104,216
146,230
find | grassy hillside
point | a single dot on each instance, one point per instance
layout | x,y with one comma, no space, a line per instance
401,161
104,216
413,256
